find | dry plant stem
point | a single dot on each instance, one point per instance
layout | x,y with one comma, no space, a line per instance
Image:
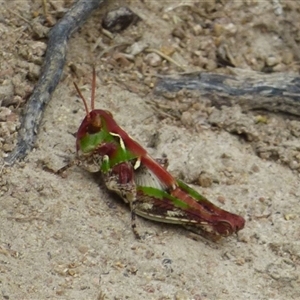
45,10
166,57
108,49
51,73
19,16
277,92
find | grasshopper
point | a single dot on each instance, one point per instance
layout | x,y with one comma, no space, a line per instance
143,182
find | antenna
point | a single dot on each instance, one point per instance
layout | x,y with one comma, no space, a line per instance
83,99
93,89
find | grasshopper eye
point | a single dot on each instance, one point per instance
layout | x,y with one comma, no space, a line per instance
94,125
224,228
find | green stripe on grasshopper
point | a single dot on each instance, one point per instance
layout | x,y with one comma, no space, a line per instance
122,153
191,191
161,194
90,142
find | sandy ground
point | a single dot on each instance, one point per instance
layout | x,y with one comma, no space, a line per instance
71,239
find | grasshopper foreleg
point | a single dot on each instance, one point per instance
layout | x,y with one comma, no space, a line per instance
120,179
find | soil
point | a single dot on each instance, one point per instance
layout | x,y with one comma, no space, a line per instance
68,238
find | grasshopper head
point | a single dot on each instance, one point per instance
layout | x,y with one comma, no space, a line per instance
93,122
90,135
216,229
224,223
233,224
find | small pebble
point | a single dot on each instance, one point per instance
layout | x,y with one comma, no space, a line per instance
153,59
137,48
197,29
165,17
287,57
181,295
218,29
255,168
4,113
294,165
119,19
167,50
272,60
280,68
6,93
211,65
204,180
230,29
289,217
178,32
186,118
221,199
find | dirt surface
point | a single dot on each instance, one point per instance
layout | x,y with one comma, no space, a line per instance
71,239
